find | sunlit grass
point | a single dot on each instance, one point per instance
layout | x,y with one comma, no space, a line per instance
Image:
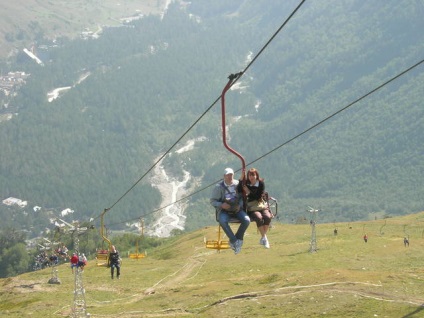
344,278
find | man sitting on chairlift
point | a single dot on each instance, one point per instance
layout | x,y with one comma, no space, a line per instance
229,202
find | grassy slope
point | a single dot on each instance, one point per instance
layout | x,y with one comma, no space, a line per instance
345,278
63,18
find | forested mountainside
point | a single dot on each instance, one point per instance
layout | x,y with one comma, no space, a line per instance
135,90
24,23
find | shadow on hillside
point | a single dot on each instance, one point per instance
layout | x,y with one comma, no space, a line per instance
416,311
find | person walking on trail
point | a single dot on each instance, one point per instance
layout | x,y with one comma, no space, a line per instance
229,202
114,262
257,208
405,242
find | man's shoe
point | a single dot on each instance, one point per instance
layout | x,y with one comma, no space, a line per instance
262,241
233,245
238,245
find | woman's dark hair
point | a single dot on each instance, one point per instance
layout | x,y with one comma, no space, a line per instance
255,172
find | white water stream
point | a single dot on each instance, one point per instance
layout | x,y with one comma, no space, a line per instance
172,216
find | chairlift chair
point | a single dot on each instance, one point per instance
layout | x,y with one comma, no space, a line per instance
138,255
220,244
102,254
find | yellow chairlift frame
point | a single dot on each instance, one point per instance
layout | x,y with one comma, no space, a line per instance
102,255
138,255
220,244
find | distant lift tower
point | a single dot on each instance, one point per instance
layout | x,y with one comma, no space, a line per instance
53,260
79,308
313,247
47,247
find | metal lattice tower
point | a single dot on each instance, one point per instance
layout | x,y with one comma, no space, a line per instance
48,246
54,273
54,279
79,308
313,246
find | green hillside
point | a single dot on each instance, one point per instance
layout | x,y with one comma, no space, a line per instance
346,277
23,23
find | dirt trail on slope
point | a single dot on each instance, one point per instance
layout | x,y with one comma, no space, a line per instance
186,272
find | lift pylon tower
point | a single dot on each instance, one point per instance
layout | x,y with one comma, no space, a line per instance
313,246
79,308
54,279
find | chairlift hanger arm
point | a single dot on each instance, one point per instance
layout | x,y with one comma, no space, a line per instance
102,225
231,80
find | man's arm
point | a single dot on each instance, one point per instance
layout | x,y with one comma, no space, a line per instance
216,198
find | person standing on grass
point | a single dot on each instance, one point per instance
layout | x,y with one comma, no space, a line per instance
114,262
74,261
406,242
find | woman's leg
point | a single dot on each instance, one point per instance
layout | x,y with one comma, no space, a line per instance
266,215
257,217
